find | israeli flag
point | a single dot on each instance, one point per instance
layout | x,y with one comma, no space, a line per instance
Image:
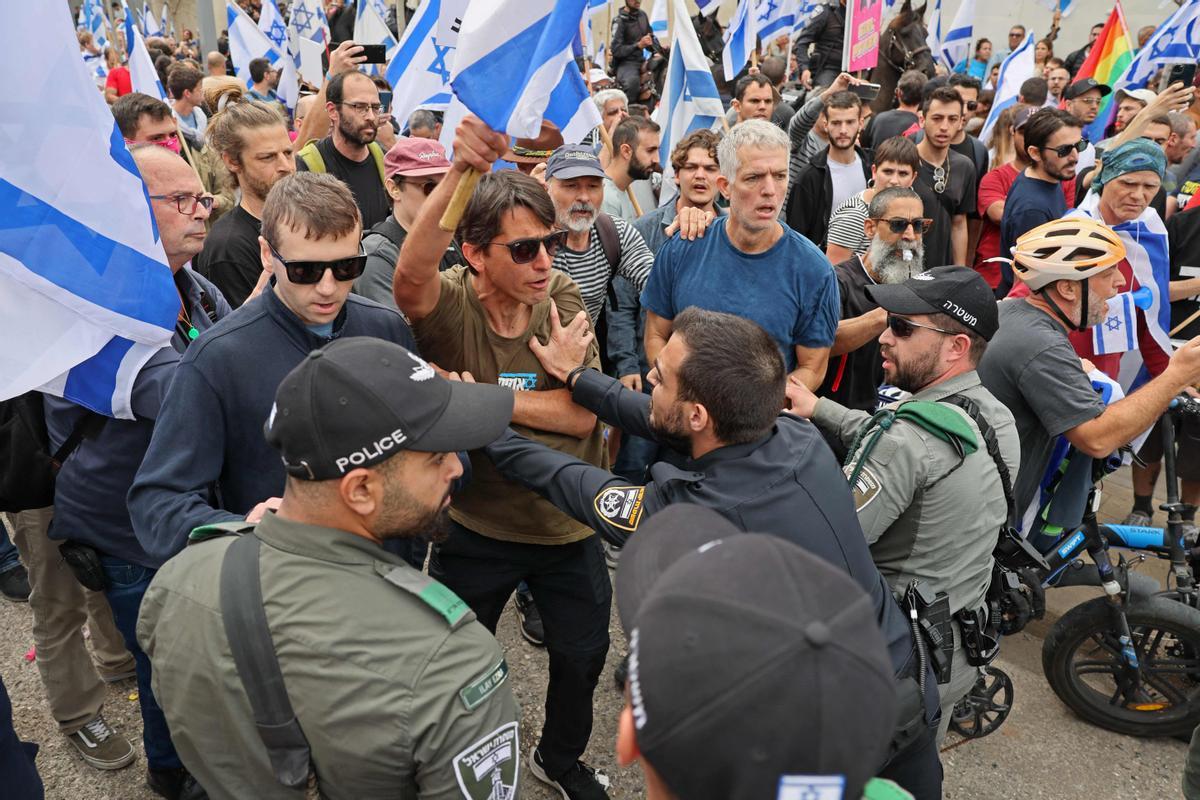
419,72
514,67
149,23
956,43
933,35
690,98
811,787
775,17
1177,41
142,74
270,22
708,7
86,296
308,21
1118,332
658,21
741,38
168,28
597,7
1015,70
96,21
247,42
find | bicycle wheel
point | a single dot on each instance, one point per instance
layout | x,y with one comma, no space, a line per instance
1081,658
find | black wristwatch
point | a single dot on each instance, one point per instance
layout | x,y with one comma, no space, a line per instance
573,375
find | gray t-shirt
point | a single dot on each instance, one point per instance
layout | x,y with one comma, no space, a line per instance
1032,369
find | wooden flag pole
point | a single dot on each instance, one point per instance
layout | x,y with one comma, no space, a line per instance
458,201
1185,323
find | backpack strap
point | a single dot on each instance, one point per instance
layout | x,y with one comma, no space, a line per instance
88,425
253,650
310,154
993,448
388,228
610,243
378,154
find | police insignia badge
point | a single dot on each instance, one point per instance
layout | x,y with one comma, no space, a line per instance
621,506
488,769
866,488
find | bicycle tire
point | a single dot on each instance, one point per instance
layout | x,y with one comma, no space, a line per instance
1167,636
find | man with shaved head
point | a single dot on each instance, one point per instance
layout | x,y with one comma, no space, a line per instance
89,494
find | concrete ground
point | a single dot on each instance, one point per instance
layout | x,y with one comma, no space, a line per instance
1042,751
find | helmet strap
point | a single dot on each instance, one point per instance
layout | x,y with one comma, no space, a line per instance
1058,312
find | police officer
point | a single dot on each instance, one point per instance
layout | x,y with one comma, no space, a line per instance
912,484
718,387
824,33
396,688
631,35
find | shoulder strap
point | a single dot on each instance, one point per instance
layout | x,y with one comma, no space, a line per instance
310,154
387,228
378,154
993,448
254,654
88,425
610,243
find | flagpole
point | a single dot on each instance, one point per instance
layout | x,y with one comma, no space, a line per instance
458,201
1195,316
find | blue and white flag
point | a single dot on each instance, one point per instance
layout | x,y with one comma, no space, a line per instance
1065,6
933,31
370,27
142,74
690,98
707,7
308,21
86,296
597,7
1177,41
956,41
270,22
523,46
150,24
741,39
247,42
95,20
1118,332
419,72
775,17
1015,70
167,27
658,21
806,11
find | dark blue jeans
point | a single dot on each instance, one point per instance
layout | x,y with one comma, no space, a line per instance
9,558
127,585
21,780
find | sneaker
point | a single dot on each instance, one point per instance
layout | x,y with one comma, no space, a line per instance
531,620
101,747
1138,518
14,584
612,555
174,784
580,782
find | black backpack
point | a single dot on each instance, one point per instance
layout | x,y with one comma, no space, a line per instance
27,467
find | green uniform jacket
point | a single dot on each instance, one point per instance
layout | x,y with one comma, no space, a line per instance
399,691
925,516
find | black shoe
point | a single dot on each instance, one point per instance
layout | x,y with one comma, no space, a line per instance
14,584
174,784
580,782
531,620
621,674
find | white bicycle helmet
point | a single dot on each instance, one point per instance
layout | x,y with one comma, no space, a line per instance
1071,248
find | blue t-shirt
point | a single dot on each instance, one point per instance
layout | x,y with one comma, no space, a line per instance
790,290
1031,202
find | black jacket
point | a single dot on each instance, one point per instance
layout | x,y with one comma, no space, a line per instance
811,199
1075,60
826,31
627,29
787,485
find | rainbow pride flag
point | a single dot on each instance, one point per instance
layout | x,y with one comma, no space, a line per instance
1108,61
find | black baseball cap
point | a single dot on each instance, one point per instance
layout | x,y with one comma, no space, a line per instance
573,161
358,401
1086,85
753,664
959,292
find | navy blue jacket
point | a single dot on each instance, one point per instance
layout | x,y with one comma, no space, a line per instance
788,484
89,492
208,460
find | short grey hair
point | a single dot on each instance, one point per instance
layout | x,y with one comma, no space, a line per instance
884,197
602,97
751,133
1181,123
422,118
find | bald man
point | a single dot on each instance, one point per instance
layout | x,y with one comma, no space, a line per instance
89,493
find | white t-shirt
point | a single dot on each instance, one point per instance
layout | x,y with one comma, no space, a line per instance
847,180
1087,159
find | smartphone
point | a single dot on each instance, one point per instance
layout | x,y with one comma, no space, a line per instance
385,100
1179,73
866,91
375,53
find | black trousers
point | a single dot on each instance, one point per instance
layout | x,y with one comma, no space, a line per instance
571,587
629,80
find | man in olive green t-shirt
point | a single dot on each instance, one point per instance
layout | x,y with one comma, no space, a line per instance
482,319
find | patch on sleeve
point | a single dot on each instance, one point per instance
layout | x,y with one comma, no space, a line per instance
475,692
621,506
811,787
866,488
489,768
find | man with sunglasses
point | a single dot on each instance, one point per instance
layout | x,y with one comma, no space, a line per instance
1053,140
486,319
910,483
350,152
414,166
89,493
208,461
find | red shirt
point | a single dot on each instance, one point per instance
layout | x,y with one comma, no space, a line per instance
118,78
993,188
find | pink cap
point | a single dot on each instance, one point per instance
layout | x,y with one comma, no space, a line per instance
415,156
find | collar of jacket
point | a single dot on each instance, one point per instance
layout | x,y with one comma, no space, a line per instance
294,327
821,159
729,452
948,388
324,544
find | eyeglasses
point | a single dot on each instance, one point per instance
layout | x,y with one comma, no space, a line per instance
1063,150
898,225
363,108
425,186
307,272
525,250
1087,101
903,327
186,203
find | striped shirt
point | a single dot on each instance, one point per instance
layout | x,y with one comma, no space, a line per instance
846,225
591,271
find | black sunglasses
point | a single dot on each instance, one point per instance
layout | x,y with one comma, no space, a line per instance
425,186
899,225
1063,150
525,250
904,327
344,269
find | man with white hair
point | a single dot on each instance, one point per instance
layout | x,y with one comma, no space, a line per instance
750,264
613,107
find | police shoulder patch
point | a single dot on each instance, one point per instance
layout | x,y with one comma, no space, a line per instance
217,530
621,506
866,487
478,690
489,768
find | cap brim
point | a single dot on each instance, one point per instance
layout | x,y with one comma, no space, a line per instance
516,159
566,173
423,171
661,541
899,299
475,416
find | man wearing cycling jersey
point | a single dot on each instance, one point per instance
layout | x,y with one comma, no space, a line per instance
1070,266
